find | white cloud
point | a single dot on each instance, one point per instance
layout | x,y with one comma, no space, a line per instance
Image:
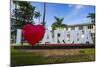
75,6
79,6
74,12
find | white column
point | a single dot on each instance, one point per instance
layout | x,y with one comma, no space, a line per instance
85,28
69,29
76,28
18,37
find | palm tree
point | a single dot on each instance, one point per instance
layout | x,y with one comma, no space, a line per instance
58,23
92,17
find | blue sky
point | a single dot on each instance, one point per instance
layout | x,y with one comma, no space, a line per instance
72,13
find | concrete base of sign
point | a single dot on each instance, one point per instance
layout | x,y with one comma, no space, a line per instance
55,47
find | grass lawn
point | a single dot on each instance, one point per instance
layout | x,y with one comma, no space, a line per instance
47,56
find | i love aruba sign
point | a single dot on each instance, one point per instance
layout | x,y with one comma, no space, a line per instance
34,34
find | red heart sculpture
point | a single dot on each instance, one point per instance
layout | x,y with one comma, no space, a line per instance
33,33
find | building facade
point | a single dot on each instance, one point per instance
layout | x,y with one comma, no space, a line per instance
85,26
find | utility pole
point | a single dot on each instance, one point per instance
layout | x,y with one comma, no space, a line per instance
44,14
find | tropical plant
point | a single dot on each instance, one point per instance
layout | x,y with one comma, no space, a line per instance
24,13
58,23
92,17
37,15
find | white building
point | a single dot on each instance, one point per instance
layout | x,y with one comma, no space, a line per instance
83,27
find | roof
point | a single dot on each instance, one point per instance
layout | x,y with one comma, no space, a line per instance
82,24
